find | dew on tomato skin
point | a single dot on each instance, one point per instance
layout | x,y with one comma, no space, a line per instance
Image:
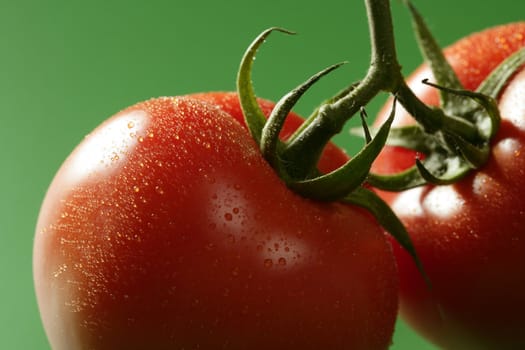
268,263
282,261
479,184
159,190
209,179
473,234
61,269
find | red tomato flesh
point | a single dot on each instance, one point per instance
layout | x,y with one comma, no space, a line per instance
166,229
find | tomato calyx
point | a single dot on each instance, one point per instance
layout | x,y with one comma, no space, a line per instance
343,184
454,138
265,132
451,140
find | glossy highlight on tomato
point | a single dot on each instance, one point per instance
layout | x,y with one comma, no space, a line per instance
469,235
166,229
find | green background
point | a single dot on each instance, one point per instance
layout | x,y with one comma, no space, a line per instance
65,66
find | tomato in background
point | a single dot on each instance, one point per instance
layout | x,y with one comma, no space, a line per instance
166,229
470,235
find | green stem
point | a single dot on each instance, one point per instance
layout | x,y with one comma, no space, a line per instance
348,178
434,119
253,115
384,74
270,141
305,147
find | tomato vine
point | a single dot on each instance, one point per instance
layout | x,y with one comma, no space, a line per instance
454,138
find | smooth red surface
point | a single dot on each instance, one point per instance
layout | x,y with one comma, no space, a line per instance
165,229
470,235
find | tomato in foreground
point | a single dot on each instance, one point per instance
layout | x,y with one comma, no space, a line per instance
166,229
469,235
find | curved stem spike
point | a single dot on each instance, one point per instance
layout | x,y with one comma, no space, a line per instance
270,132
253,115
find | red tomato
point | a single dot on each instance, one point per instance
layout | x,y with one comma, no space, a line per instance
166,229
470,235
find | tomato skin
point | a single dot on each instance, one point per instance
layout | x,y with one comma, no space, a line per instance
469,235
332,156
165,229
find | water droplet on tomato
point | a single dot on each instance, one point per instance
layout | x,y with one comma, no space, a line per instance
61,269
131,125
228,216
136,189
282,261
268,263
